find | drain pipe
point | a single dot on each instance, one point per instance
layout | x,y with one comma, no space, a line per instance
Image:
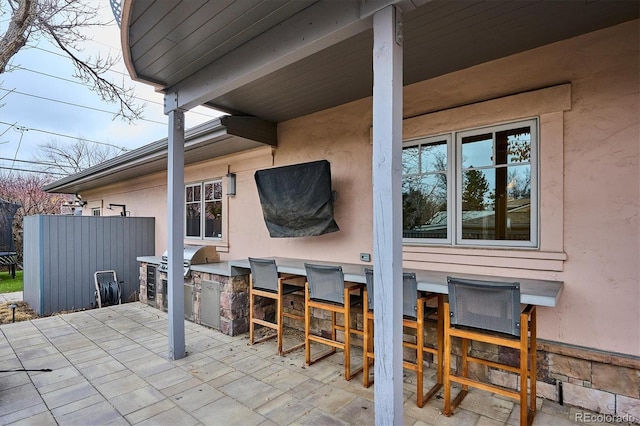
559,390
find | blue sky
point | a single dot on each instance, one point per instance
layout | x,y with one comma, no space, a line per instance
27,120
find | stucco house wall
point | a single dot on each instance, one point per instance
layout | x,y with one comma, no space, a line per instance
584,90
585,93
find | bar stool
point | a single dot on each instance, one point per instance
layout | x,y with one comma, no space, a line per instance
265,282
490,312
414,310
326,290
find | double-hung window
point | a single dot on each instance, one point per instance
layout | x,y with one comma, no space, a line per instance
203,210
472,187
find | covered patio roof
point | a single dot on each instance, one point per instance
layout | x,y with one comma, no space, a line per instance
280,59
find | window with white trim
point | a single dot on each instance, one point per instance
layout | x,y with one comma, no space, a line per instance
472,187
203,210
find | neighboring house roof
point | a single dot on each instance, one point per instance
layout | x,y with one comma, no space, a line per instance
283,59
518,210
215,138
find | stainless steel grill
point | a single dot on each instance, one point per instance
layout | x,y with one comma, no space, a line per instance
192,255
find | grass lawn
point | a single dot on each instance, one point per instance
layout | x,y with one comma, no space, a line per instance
8,284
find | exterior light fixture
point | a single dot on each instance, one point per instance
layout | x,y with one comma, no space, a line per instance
77,202
123,206
231,183
13,307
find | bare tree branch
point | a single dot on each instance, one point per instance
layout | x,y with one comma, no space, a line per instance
26,190
18,31
72,158
63,22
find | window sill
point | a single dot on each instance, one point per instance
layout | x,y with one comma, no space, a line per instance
221,246
507,261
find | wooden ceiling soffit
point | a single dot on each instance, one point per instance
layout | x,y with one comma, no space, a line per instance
315,28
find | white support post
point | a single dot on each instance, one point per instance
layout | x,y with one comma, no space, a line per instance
387,213
175,210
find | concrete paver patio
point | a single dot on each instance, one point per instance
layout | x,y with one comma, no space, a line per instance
110,366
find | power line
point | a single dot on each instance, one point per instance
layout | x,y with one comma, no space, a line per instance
64,136
66,57
21,130
80,83
10,127
32,171
76,105
39,163
109,70
17,67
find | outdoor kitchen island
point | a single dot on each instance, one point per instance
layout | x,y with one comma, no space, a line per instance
216,294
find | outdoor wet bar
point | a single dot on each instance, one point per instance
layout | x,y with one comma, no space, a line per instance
214,295
536,292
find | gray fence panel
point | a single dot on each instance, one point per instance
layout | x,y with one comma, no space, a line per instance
62,253
31,266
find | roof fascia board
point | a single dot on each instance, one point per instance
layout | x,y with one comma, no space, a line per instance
124,38
126,47
315,28
110,167
204,132
214,131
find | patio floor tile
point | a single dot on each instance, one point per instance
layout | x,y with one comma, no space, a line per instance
30,342
120,386
171,417
101,413
285,380
148,366
329,399
52,361
18,398
26,414
196,397
132,401
168,378
250,392
52,385
359,411
226,411
91,371
69,394
209,369
80,404
317,417
150,411
10,380
181,387
283,410
488,405
101,375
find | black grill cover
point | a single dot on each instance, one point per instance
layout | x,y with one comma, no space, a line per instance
297,200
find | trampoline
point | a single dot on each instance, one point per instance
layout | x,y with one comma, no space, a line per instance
8,255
